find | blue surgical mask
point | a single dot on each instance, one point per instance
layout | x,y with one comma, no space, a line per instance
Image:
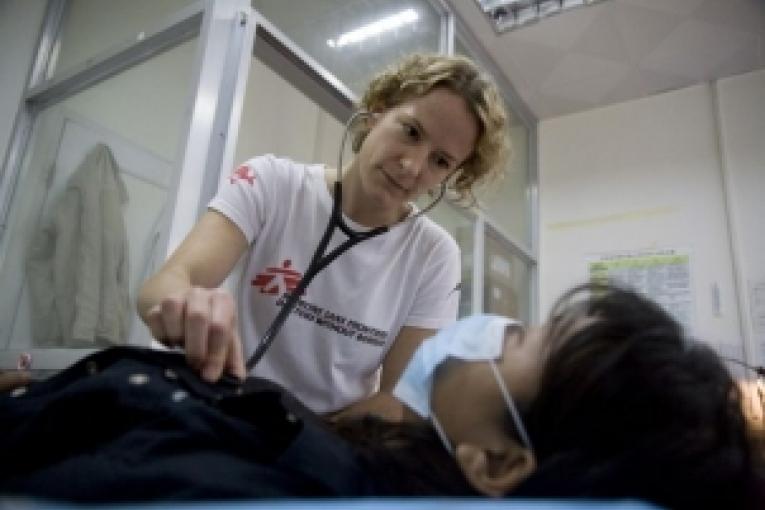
475,338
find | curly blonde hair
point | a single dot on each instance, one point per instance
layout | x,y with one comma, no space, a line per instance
419,73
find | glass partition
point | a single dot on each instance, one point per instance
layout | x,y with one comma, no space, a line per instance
507,204
461,49
460,223
277,118
506,200
507,279
89,204
354,40
91,26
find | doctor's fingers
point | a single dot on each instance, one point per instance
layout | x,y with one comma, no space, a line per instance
222,340
165,320
156,324
195,325
235,361
13,379
172,314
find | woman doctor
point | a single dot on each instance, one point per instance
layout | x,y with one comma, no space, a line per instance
430,121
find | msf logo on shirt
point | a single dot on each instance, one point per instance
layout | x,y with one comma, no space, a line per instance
243,173
277,280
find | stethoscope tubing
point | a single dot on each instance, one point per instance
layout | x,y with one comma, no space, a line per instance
319,260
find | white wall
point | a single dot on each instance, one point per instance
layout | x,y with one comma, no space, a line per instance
647,174
20,22
742,119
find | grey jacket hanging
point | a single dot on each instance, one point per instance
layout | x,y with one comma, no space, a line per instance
77,265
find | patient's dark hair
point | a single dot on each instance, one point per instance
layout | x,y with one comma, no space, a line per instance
405,459
629,407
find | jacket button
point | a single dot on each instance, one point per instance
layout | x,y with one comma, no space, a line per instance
91,367
17,392
138,379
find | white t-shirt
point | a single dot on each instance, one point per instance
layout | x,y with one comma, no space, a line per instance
330,348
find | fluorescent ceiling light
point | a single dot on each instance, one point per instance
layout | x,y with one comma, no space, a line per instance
549,7
383,25
488,5
526,15
507,15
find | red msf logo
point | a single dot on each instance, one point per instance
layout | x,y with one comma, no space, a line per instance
243,173
277,280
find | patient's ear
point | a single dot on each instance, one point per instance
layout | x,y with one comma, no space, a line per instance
495,473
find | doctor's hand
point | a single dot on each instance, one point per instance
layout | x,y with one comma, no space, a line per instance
203,321
12,379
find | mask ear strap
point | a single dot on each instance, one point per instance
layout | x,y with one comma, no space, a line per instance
441,434
511,406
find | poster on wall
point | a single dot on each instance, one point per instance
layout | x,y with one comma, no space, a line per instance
663,275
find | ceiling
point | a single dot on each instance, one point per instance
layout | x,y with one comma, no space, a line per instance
618,50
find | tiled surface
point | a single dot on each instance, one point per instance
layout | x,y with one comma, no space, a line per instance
619,50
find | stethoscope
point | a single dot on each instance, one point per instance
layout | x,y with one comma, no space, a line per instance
320,260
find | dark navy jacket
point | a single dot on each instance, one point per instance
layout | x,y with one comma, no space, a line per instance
129,424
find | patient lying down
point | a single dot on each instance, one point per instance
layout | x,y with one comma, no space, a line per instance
606,400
